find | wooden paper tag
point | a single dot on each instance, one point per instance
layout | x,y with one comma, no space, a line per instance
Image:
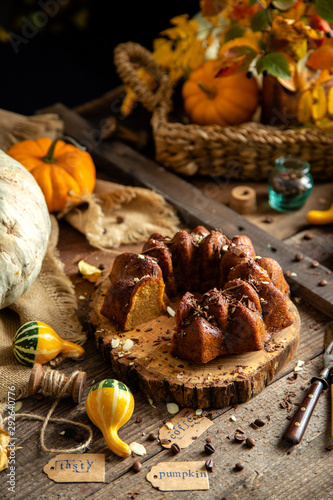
76,468
187,426
177,476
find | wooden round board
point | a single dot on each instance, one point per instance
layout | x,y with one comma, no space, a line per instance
219,383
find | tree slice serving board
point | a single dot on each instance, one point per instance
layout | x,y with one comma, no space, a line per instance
148,366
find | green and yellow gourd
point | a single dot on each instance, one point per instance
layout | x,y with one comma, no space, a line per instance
109,406
37,342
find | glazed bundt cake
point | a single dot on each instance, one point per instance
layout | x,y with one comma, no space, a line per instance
232,300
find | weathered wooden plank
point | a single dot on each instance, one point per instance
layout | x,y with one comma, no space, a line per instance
128,166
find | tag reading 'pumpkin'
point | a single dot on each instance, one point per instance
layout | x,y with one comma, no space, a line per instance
179,476
187,426
76,468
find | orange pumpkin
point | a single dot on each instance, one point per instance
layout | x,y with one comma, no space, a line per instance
63,171
226,100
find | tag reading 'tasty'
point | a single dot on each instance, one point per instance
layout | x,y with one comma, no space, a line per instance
76,468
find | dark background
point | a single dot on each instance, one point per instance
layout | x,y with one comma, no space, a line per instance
69,57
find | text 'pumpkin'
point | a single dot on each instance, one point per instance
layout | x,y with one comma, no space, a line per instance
63,171
224,101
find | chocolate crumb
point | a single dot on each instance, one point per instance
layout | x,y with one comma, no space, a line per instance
307,236
138,420
329,447
314,263
322,283
298,257
268,219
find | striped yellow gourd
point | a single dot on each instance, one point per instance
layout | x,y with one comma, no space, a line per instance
37,342
109,406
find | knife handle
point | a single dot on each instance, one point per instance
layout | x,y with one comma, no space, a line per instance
299,423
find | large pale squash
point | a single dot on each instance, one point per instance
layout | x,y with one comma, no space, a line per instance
24,229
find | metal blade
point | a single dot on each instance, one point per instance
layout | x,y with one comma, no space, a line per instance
328,346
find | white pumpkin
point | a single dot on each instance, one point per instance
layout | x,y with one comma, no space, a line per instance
25,227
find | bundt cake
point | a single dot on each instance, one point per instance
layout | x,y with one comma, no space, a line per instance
232,300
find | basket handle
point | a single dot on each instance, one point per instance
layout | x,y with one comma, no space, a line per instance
126,56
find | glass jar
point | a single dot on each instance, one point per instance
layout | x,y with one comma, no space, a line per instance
290,184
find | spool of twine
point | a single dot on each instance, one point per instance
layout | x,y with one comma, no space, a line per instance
56,384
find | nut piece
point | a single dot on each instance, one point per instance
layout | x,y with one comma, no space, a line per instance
137,466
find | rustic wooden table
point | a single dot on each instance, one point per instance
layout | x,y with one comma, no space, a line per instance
271,469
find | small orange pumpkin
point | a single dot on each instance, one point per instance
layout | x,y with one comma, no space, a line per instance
226,100
61,170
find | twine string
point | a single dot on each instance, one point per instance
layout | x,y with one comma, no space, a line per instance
55,384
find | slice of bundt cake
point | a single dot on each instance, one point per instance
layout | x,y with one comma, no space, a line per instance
137,291
244,296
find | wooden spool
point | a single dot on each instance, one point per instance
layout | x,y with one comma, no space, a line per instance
150,367
243,199
75,388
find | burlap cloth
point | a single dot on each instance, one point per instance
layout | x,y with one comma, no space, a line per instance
115,215
15,127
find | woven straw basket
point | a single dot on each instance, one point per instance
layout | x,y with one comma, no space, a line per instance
244,152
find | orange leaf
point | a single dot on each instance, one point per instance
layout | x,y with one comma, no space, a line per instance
228,71
211,8
321,58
